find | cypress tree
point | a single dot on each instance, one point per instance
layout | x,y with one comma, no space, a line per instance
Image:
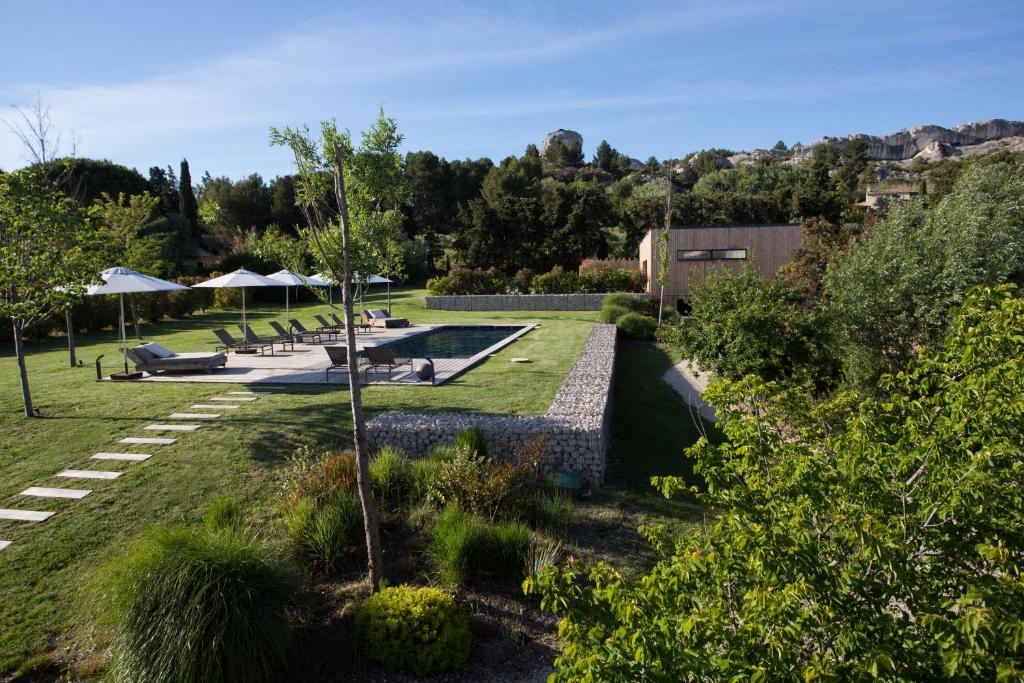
188,206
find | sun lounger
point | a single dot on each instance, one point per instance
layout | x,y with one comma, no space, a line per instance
361,324
147,361
325,326
339,360
378,317
382,357
228,342
252,338
300,329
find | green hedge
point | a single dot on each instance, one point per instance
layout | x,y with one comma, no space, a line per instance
462,281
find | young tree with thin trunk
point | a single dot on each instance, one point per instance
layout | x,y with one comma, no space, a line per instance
321,165
46,256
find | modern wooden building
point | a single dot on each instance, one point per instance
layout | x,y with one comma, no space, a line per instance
694,252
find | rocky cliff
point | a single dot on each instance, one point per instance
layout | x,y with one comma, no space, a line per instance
933,142
566,137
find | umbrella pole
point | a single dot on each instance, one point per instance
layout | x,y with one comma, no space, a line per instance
243,313
286,288
124,338
389,298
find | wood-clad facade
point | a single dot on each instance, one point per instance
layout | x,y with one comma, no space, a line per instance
694,252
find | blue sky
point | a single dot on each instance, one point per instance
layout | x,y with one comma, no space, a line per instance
146,83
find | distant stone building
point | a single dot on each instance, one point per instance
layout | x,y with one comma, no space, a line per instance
696,251
875,199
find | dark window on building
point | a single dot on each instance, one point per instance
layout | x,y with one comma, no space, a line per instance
693,255
728,254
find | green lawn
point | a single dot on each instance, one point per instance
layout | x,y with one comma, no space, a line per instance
43,575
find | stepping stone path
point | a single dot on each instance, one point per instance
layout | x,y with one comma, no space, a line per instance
89,474
129,457
45,492
172,428
26,515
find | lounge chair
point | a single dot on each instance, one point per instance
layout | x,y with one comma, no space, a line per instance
148,361
362,324
334,328
383,357
285,334
378,317
228,342
339,360
301,331
252,338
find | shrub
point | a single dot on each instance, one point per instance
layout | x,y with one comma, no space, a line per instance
558,281
636,326
600,279
522,280
324,531
474,441
464,546
610,314
422,472
418,630
200,605
222,514
550,510
318,477
486,487
466,281
641,305
390,475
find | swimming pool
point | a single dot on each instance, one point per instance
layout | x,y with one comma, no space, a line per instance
452,341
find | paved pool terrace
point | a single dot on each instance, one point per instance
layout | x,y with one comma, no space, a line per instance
307,362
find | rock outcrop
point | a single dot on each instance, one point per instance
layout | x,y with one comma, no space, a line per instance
566,137
931,142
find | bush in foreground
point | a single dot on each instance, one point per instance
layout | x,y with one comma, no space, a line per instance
200,605
855,539
418,630
464,547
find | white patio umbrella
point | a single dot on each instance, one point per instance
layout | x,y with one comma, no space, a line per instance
289,280
324,280
375,280
240,278
127,281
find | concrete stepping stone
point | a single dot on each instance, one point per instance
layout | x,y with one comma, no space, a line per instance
4,544
193,416
46,492
89,474
251,393
233,399
129,457
26,515
171,428
207,406
158,440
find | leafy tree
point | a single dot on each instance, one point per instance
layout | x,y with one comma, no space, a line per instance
780,146
124,228
283,210
322,163
47,256
822,243
852,541
893,292
164,184
189,207
854,162
605,156
817,196
743,324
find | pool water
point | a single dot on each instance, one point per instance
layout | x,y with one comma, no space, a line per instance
451,341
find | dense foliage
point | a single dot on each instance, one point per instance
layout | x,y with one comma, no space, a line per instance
879,539
595,280
893,291
419,630
200,605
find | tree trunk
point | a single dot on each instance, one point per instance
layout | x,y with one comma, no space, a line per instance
19,351
371,524
135,318
71,338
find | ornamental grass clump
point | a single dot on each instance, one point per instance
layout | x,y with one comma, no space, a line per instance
418,630
323,532
464,547
200,605
390,476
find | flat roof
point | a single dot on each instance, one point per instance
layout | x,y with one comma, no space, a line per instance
733,225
